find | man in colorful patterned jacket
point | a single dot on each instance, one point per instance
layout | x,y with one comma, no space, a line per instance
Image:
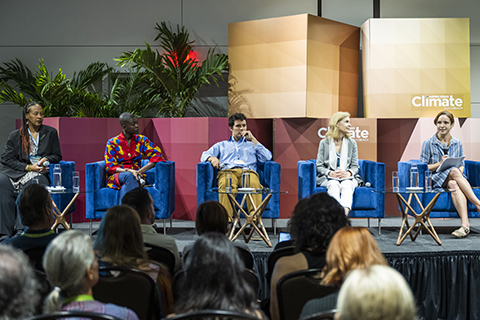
124,153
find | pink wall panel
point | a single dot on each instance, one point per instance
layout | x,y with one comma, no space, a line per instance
295,139
183,140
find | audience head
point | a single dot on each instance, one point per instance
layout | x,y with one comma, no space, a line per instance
350,248
71,267
234,117
140,200
314,222
213,272
332,126
35,207
18,286
375,293
119,238
211,217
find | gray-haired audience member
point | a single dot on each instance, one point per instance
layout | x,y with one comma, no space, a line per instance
72,270
18,285
140,200
375,293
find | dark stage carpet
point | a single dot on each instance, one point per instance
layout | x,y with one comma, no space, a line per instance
444,278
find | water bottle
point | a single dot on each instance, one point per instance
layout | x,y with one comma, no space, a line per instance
228,182
57,176
246,177
414,176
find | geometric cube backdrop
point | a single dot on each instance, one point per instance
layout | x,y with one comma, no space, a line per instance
294,66
415,68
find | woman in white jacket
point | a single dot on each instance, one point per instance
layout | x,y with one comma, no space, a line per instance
337,161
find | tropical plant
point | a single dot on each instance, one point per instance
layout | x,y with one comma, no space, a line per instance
58,95
174,77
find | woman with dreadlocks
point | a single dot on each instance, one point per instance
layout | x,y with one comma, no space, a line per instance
24,158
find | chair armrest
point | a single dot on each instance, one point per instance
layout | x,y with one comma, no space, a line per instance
272,175
95,176
373,172
472,170
165,181
306,178
205,180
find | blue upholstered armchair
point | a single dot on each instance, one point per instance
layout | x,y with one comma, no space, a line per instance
269,174
444,207
366,202
99,198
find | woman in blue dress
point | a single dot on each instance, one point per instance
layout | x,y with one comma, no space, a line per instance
436,149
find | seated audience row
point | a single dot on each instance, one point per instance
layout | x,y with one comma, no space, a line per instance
314,222
351,248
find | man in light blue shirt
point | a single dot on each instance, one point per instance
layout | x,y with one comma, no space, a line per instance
241,150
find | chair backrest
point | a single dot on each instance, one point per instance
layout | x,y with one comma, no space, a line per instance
246,256
214,315
296,288
324,315
252,279
274,256
74,314
35,255
44,288
129,288
161,255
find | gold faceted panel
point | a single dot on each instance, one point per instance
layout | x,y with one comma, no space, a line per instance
415,68
295,66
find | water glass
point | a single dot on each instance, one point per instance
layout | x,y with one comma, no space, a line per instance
246,178
395,185
228,181
57,176
428,181
76,181
414,176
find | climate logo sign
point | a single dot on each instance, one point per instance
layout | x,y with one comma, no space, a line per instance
438,101
356,134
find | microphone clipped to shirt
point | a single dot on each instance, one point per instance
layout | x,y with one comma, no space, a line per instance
445,148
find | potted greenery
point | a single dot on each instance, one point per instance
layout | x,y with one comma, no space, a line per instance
173,76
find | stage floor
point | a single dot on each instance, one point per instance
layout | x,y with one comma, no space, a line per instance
184,234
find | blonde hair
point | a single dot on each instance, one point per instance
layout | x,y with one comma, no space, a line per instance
332,126
376,293
351,248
